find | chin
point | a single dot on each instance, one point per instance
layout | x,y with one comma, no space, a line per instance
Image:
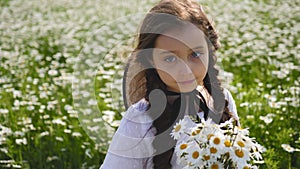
187,89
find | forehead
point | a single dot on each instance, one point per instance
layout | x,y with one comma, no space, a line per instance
189,35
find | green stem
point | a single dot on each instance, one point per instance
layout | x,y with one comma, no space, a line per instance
290,160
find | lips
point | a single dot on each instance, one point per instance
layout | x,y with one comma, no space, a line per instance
187,81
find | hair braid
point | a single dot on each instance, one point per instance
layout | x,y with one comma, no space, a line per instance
214,88
163,122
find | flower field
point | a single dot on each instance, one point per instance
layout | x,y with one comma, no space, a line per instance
61,73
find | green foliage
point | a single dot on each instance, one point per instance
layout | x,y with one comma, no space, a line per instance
4,3
262,58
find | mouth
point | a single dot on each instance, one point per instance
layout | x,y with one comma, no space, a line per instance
187,81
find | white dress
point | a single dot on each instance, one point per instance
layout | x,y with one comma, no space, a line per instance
131,146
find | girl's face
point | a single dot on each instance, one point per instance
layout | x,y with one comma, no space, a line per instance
181,58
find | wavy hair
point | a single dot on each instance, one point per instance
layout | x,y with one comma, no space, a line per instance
181,10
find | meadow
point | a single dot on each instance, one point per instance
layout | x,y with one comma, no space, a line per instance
62,64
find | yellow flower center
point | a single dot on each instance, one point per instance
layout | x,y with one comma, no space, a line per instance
239,153
183,146
206,157
177,128
241,144
194,133
240,128
213,150
227,143
246,167
217,140
214,166
209,136
195,154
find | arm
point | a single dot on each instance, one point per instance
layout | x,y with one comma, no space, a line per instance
231,105
131,146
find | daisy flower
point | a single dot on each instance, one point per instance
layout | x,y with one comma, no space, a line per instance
256,155
242,131
181,148
239,156
210,155
217,141
178,129
227,124
257,150
243,165
214,152
243,142
216,145
216,165
288,148
211,146
194,134
206,156
207,132
189,166
194,154
240,143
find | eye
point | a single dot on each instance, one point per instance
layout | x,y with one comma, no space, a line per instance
196,54
170,59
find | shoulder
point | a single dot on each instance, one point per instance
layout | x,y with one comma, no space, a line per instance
136,122
140,106
131,145
135,133
137,113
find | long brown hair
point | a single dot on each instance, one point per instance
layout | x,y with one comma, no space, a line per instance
153,25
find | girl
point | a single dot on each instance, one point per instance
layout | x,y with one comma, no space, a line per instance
170,74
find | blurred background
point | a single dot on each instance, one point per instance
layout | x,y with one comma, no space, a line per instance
62,64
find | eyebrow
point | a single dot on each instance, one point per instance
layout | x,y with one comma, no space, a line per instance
175,51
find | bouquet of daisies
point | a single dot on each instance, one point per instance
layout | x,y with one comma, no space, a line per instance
206,145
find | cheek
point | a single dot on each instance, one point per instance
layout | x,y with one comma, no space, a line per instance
165,77
200,70
165,71
204,61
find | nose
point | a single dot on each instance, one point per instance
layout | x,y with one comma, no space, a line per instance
184,68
